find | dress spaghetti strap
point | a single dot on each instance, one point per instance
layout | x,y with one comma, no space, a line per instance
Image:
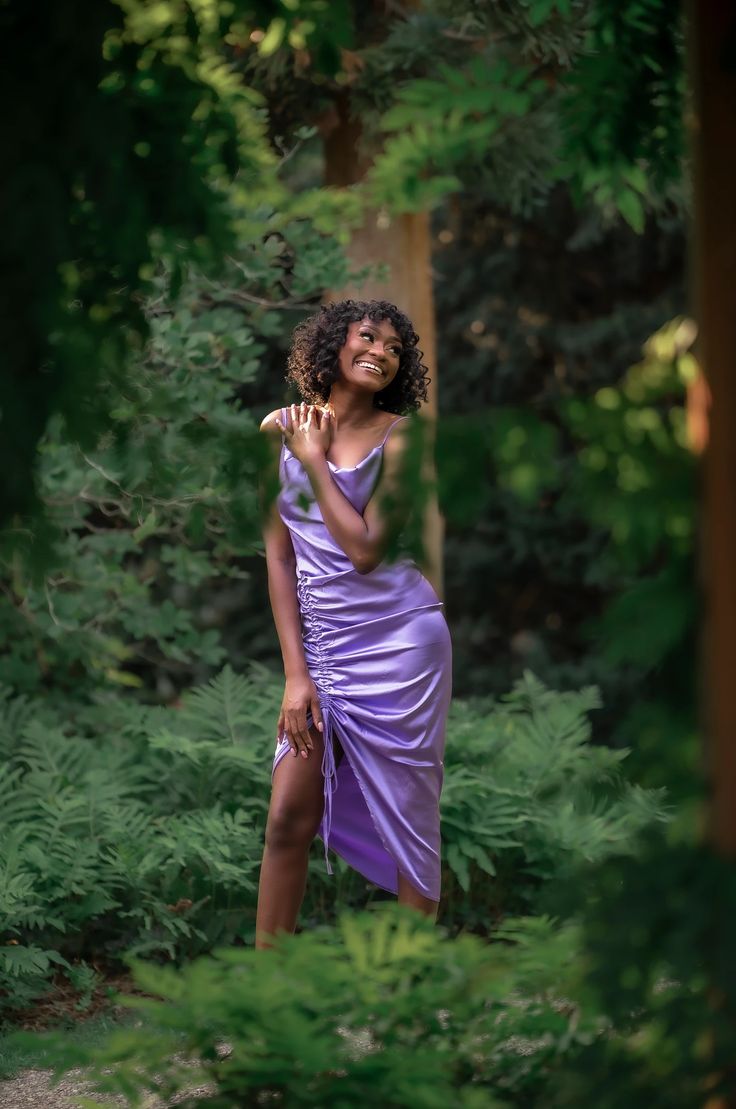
391,425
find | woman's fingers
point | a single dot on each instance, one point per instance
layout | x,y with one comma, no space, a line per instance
300,739
293,747
305,740
300,413
317,715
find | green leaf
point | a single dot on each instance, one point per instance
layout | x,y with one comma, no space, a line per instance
631,208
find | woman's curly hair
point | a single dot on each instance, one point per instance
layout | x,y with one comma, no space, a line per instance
312,363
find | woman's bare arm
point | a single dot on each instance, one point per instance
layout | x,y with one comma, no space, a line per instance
280,562
300,693
364,538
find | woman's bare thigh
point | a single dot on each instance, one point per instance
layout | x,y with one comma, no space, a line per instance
298,785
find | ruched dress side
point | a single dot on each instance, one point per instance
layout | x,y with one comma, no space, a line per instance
378,649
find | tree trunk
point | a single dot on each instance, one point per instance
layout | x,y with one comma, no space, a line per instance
404,244
712,27
712,415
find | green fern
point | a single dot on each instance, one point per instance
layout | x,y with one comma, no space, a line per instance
382,1008
527,796
223,709
141,827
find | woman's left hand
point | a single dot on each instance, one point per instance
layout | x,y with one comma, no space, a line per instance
310,432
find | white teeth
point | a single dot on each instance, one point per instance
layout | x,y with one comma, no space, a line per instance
370,366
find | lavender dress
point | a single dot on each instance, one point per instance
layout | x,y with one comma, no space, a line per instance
379,652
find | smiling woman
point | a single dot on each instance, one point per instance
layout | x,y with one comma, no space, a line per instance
317,354
365,643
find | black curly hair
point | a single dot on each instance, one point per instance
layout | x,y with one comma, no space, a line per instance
312,364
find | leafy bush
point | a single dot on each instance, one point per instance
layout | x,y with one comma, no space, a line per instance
140,828
156,527
131,827
656,939
384,1008
528,797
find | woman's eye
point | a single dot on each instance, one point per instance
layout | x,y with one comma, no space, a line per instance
366,335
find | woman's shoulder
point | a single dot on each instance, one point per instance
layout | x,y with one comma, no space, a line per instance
268,423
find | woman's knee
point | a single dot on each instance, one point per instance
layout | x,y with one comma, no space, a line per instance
291,826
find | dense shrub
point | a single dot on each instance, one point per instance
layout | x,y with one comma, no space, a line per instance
528,797
382,1009
140,828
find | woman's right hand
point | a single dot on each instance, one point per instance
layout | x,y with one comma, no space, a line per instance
308,432
300,695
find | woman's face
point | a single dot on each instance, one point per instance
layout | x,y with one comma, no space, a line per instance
371,354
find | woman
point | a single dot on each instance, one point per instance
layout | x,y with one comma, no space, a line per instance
365,644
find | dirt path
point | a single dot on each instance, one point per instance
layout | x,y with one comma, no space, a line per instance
32,1089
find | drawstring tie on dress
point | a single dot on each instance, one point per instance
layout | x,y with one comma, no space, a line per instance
320,674
329,773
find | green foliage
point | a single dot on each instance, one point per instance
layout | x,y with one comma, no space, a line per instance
140,828
657,940
440,123
587,486
635,475
153,524
632,476
600,108
610,1007
528,797
150,126
636,479
130,827
381,1008
94,1028
622,107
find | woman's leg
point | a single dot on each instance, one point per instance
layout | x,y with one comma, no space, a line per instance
410,895
294,815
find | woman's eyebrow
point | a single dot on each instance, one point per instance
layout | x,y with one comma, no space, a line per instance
391,339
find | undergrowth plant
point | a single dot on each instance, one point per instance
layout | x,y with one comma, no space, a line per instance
528,798
139,829
381,1008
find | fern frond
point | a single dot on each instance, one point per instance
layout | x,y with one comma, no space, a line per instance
221,709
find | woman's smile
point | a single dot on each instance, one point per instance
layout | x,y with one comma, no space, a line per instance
371,367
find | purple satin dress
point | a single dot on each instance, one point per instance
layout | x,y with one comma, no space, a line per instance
379,652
